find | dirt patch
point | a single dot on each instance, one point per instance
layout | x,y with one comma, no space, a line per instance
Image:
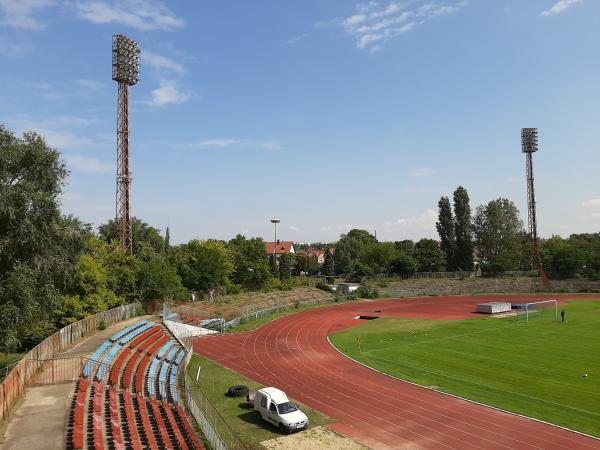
317,438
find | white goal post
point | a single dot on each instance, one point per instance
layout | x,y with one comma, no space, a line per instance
532,306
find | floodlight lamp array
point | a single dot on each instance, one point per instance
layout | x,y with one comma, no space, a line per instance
125,60
529,140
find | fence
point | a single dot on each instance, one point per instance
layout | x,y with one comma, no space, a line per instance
215,428
20,376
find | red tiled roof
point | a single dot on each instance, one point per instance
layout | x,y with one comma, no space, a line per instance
282,248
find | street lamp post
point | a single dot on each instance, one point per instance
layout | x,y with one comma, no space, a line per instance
275,222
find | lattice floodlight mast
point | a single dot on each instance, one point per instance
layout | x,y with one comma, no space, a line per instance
529,145
125,71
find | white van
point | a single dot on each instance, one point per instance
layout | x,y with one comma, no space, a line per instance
273,406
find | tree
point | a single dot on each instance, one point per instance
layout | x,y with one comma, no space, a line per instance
588,244
273,266
285,266
38,247
328,264
251,267
350,250
167,241
463,257
498,235
203,265
158,280
300,263
403,264
406,246
142,234
560,258
379,256
429,256
445,229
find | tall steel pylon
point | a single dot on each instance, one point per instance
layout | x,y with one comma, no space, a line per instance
126,71
529,145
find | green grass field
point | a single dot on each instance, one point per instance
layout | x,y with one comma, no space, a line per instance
534,368
214,382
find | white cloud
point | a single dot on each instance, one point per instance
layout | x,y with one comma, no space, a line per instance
168,93
294,228
421,172
55,129
375,24
92,85
161,62
230,142
21,13
143,15
326,228
425,220
217,143
88,164
294,39
561,6
594,202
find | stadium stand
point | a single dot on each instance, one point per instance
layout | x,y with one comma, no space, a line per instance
110,409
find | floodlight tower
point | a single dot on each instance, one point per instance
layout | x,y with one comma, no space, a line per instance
529,145
126,72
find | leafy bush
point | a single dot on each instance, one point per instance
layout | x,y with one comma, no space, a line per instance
139,309
102,325
367,290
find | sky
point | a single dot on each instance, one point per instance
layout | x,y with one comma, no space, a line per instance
326,114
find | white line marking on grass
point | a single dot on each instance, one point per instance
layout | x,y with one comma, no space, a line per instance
463,398
444,338
483,386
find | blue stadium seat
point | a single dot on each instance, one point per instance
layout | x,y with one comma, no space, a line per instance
162,378
164,349
152,376
179,357
171,353
124,331
135,333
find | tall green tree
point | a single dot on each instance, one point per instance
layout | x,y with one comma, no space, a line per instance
285,266
498,235
328,264
560,258
273,266
203,265
429,256
143,235
379,256
167,241
251,266
403,264
350,250
445,229
406,246
463,257
38,247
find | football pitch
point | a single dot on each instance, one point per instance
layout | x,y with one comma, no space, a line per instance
535,369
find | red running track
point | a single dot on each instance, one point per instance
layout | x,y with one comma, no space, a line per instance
381,412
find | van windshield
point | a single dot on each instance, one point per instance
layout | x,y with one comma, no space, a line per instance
287,407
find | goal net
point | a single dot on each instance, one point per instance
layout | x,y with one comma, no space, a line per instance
545,309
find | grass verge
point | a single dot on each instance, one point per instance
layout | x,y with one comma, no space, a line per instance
214,382
536,368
